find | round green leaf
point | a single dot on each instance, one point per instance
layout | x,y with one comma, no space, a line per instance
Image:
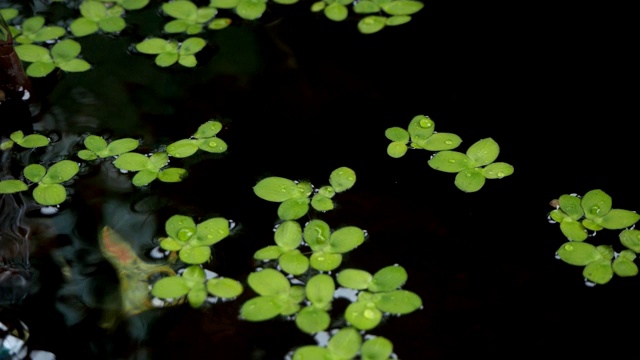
9,13
596,204
75,65
311,352
388,278
65,50
397,149
573,230
342,179
393,133
34,172
224,4
354,279
132,162
251,9
172,287
192,46
33,53
40,69
17,136
154,46
497,170
319,290
171,244
345,344
317,233
276,189
371,24
205,14
293,209
630,239
364,315
12,186
93,10
195,254
618,219
312,320
176,26
172,175
396,20
144,177
134,4
180,227
97,144
321,203
288,235
377,348
450,161
268,282
197,296
225,288
325,261
261,308
219,23
158,160
591,225
420,127
61,172
346,239
369,7
624,267
112,24
470,180
49,194
318,6
87,155
570,205
34,141
180,9
83,26
305,189
336,11
166,59
188,61
327,191
397,302
484,151
578,253
49,33
294,262
270,252
194,275
120,146
208,129
441,141
402,7
213,145
211,231
193,29
599,271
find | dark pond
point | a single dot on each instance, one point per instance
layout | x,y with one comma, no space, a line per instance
299,96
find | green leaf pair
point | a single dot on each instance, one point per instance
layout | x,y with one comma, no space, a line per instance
421,133
193,241
29,142
188,17
33,30
328,247
129,4
288,237
49,192
319,292
97,147
347,344
193,284
247,9
204,139
600,263
170,51
591,212
149,168
62,55
97,16
277,296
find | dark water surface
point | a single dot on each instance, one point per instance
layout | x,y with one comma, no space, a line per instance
302,96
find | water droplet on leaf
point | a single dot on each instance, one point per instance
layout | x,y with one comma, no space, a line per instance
425,123
184,234
568,247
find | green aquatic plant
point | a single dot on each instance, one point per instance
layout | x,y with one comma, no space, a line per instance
33,30
30,141
193,242
49,190
593,212
170,51
63,55
189,18
347,343
97,147
128,4
98,16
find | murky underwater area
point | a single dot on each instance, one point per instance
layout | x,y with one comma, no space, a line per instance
299,96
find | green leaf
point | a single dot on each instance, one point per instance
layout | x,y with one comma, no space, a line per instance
354,279
342,179
311,352
180,227
158,160
133,162
397,149
325,261
120,146
225,288
112,24
617,219
317,233
377,348
573,230
591,225
34,172
336,11
197,296
251,9
398,20
578,253
176,26
166,59
624,266
172,175
441,141
205,14
32,24
224,4
364,315
12,186
65,50
596,204
17,136
312,320
219,23
275,189
33,141
75,65
402,7
40,69
288,235
268,282
285,2
49,194
192,45
450,161
327,191
194,275
397,302
369,7
599,271
305,189
393,133
93,10
154,46
33,53
134,4
483,152
195,254
185,10
321,203
61,172
345,344
293,209
171,244
319,290
83,27
630,239
470,180
497,170
421,127
261,308
388,278
346,239
172,287
211,231
294,262
270,252
570,205
208,129
318,6
97,144
213,145
144,177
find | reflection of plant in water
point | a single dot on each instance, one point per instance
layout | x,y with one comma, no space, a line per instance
594,212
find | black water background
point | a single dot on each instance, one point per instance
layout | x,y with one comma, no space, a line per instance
551,84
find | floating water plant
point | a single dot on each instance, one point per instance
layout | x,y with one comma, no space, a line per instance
96,16
33,30
30,141
97,147
49,190
188,17
63,55
170,51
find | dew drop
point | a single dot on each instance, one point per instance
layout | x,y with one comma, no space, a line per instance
426,123
500,174
212,144
452,161
184,234
568,247
369,314
448,142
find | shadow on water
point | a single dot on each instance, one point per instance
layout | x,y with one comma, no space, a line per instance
303,96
